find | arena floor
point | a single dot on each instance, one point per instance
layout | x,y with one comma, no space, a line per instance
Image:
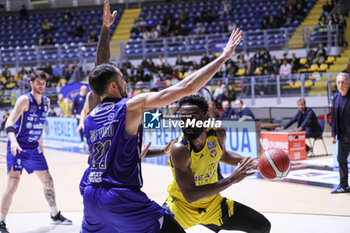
301,203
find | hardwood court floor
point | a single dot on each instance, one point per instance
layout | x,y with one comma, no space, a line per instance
290,207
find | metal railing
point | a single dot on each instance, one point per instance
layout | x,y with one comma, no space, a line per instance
274,39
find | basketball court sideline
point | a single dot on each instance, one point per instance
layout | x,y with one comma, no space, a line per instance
290,206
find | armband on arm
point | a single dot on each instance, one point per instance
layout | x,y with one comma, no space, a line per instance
10,129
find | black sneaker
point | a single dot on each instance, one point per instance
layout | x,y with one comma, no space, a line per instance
60,220
3,227
341,190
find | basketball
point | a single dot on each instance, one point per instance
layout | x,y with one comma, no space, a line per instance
274,164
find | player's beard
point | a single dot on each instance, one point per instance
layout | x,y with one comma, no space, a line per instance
122,92
196,132
38,91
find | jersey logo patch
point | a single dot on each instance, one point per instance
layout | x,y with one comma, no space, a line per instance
213,153
211,144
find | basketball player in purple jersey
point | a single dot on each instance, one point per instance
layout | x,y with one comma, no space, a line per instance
24,128
113,201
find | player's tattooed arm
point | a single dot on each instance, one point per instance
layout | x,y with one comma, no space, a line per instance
103,52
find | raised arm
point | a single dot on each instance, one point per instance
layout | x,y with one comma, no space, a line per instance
188,86
185,179
103,53
21,105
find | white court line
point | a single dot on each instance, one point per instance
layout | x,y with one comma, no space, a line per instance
281,223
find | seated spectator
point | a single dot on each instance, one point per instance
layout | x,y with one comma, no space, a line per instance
183,17
320,55
307,120
204,59
322,23
231,26
243,111
150,22
272,24
48,40
10,84
23,13
264,24
57,72
228,113
285,69
341,31
274,65
310,56
240,60
79,30
220,93
299,12
223,27
52,112
92,37
46,27
295,63
6,73
200,30
229,70
65,106
67,16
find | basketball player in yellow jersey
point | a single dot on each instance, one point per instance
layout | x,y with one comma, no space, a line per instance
65,106
194,196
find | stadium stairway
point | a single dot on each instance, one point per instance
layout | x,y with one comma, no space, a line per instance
123,31
311,20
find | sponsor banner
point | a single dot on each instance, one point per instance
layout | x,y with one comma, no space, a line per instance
71,90
61,129
240,138
293,143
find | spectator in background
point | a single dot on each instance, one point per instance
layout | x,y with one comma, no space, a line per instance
299,12
229,70
342,28
46,27
6,73
272,24
322,23
3,122
10,84
240,60
150,22
79,30
228,113
241,110
204,59
78,104
67,16
92,37
23,13
200,30
223,27
207,15
310,56
65,106
52,112
307,121
320,55
295,63
231,26
57,72
220,93
285,70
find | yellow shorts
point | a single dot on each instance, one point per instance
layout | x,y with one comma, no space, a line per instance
188,215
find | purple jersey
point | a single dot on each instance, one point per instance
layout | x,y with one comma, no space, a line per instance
114,155
30,125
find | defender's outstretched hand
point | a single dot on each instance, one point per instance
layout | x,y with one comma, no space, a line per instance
108,18
233,42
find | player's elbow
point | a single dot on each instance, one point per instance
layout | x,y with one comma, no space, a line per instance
190,197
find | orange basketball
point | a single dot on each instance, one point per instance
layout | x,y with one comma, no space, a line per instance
274,164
